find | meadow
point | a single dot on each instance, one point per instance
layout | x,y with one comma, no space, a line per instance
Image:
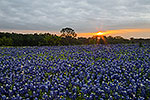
90,72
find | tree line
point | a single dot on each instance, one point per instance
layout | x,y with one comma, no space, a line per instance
68,37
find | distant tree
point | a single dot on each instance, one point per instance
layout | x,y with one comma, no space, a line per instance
51,40
110,38
68,32
82,40
118,37
132,40
4,41
92,40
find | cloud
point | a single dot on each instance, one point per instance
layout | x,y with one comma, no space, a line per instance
82,15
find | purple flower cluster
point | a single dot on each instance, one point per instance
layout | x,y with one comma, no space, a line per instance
112,72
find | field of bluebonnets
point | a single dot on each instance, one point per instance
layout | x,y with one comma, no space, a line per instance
92,72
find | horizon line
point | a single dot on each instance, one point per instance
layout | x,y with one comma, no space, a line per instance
125,33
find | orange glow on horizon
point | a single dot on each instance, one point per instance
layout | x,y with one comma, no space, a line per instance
99,33
126,33
120,31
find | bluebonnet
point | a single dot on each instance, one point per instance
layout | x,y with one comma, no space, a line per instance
75,72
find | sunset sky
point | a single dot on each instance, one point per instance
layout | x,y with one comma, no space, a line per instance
126,18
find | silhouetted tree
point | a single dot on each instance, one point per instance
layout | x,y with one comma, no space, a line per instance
68,32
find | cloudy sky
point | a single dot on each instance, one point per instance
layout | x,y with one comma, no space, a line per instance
128,18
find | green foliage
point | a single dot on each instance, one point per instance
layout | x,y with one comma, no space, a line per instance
92,41
4,41
140,44
67,38
52,40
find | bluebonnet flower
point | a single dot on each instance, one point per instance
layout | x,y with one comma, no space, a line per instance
75,72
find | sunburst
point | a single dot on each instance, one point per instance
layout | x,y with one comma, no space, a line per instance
100,33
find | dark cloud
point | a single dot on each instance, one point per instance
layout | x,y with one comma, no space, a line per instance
83,15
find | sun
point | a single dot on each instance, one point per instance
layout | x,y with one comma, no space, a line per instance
100,33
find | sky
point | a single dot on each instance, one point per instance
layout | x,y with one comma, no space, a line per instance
126,18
